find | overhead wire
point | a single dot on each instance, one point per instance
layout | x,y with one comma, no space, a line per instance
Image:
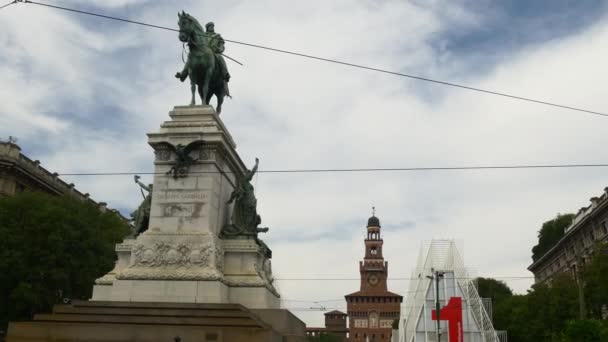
314,301
405,293
10,3
399,169
396,278
329,60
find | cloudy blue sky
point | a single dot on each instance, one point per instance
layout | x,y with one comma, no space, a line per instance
80,93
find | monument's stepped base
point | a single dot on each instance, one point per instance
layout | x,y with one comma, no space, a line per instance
124,321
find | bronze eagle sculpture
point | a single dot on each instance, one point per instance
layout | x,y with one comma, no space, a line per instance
182,157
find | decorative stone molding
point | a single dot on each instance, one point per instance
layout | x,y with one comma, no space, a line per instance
123,251
125,246
219,259
245,282
163,154
162,254
107,279
265,273
139,273
183,124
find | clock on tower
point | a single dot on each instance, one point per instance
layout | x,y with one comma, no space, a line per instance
373,279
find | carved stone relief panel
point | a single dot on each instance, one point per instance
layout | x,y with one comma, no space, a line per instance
162,254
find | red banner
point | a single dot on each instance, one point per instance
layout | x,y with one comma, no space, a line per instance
453,314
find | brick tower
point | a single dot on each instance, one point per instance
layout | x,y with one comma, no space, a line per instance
373,308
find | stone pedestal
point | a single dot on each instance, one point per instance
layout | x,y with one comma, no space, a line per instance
180,258
103,285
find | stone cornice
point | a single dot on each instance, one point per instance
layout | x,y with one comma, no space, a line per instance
588,213
15,162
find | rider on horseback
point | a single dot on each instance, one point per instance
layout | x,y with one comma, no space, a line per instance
216,44
205,65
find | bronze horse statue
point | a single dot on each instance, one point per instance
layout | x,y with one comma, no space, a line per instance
201,65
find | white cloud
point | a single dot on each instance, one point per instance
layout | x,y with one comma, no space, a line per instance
110,4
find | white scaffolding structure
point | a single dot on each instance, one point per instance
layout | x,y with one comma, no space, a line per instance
416,324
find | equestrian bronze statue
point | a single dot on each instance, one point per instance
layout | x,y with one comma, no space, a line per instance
205,65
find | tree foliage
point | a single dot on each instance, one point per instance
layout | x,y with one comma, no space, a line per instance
492,288
52,247
551,306
498,292
550,311
540,315
550,233
587,330
595,278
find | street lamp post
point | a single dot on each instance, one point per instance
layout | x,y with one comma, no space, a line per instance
437,275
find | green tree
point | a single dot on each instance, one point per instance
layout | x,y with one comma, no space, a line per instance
595,279
539,315
492,288
52,247
515,318
498,292
550,233
588,330
551,306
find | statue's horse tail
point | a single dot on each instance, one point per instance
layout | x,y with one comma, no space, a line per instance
227,90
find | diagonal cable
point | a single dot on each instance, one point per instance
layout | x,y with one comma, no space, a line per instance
10,3
401,169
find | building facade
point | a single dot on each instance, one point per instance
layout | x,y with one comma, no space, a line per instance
335,324
589,227
19,173
373,309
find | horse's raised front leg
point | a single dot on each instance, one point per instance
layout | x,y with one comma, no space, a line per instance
193,90
182,75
